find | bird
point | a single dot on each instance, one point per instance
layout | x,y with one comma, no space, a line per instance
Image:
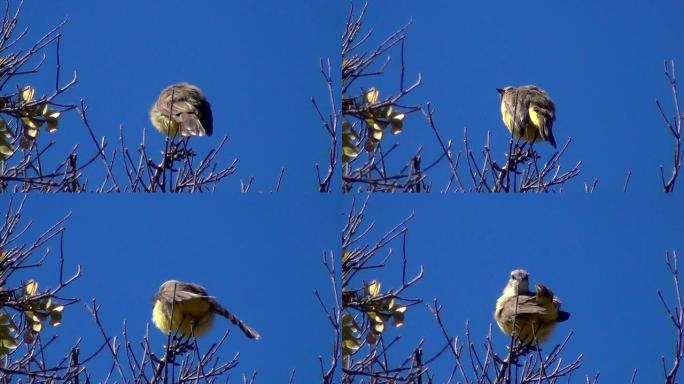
528,316
182,109
528,113
188,309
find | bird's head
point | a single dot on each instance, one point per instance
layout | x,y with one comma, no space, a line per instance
503,90
519,282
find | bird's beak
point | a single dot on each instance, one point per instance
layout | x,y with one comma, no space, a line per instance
501,91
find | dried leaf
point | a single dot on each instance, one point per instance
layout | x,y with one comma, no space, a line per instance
24,142
31,287
55,318
27,93
398,319
372,95
397,126
51,124
31,123
373,288
6,149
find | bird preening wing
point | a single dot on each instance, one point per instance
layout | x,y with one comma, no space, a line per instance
528,113
523,305
192,112
543,304
542,112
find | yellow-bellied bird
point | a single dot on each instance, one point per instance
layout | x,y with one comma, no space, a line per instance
528,113
188,309
525,314
182,109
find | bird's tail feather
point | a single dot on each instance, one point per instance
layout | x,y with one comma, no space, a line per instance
249,331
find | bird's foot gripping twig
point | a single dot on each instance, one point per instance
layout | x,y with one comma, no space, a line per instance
178,346
521,155
177,152
517,351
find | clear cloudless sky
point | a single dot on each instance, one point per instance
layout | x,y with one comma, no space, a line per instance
260,256
602,63
257,62
604,257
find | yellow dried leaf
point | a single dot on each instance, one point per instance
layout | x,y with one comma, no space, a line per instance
379,327
31,287
31,133
9,343
389,303
374,316
350,152
57,309
27,93
350,345
348,133
400,309
36,327
6,149
42,109
398,116
378,125
372,95
34,317
6,134
373,288
52,114
376,134
31,123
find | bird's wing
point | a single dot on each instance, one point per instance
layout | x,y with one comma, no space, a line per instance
526,305
187,114
179,105
190,125
516,106
183,292
542,111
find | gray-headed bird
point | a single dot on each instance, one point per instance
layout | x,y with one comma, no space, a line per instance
528,113
525,314
188,309
182,109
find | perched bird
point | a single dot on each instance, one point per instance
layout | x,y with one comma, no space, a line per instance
186,308
182,109
528,113
525,314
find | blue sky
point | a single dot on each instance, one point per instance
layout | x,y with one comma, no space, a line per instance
603,256
257,62
264,257
602,63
